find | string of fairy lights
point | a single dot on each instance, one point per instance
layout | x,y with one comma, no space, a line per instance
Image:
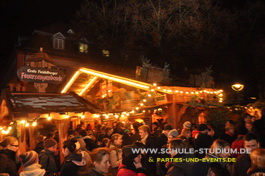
139,108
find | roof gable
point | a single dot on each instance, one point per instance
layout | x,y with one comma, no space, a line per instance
59,35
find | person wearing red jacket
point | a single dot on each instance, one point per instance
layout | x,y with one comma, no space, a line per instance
131,162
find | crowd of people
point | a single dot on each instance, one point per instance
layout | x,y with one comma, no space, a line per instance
119,150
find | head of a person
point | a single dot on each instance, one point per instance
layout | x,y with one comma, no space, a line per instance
257,157
167,128
186,132
144,130
247,118
120,125
50,135
211,131
29,158
249,126
109,131
131,155
136,125
187,125
105,142
101,160
230,123
172,135
251,142
220,148
230,129
203,128
102,129
82,132
116,140
70,146
50,144
176,145
39,138
10,143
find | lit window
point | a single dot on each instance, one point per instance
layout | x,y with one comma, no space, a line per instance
83,48
105,53
58,43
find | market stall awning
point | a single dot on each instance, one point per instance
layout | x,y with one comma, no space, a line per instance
20,104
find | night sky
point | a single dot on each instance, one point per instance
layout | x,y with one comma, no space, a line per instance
21,17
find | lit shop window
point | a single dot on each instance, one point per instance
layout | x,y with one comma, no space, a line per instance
83,48
105,53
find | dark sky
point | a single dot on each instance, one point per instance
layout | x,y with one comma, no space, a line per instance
21,17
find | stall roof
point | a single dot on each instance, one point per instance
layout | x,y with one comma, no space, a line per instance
21,103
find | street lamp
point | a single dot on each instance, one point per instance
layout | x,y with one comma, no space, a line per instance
237,87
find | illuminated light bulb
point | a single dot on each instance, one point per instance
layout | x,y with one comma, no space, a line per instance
49,118
144,100
9,128
82,116
154,84
122,115
107,116
132,111
23,121
1,128
128,114
96,115
180,91
187,92
137,108
159,109
67,116
152,90
192,92
176,91
149,95
158,87
169,90
143,110
34,124
220,95
109,90
116,116
141,104
164,89
27,124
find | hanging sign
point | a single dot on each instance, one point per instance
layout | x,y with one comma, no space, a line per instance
40,75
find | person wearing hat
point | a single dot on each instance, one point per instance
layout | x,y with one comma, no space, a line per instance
162,138
203,140
131,162
30,163
172,134
47,157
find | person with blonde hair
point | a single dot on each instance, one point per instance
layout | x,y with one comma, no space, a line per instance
116,152
221,149
257,168
9,152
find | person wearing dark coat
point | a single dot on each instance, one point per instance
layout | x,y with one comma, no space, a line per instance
243,162
9,162
203,140
47,157
183,167
259,129
149,143
73,160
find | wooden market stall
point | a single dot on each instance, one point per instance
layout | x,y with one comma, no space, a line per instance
23,111
121,97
